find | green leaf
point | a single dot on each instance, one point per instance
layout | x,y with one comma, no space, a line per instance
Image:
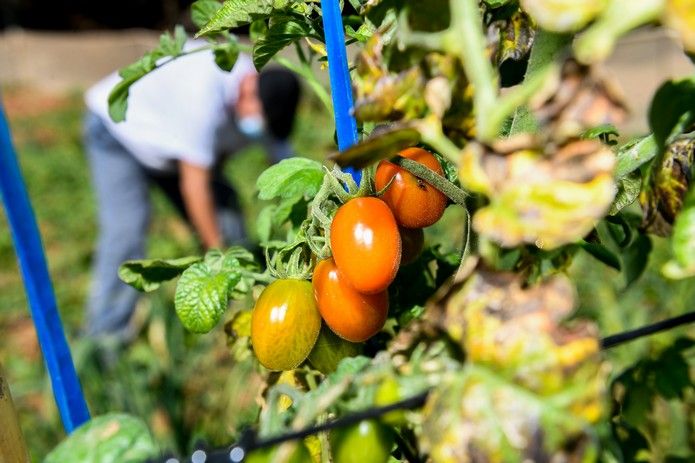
635,153
114,437
202,297
172,45
496,3
226,54
257,29
235,13
602,132
362,34
282,31
169,45
635,258
204,289
202,11
683,241
384,143
672,109
628,190
118,99
290,178
264,223
148,274
601,253
673,377
683,245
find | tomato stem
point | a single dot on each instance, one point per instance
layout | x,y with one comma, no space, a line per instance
453,192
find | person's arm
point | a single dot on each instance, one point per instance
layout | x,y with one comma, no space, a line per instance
200,204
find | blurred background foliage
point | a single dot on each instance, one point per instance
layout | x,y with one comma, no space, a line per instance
187,387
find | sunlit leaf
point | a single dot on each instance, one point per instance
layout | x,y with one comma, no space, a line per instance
106,439
563,15
680,16
290,178
235,13
672,109
530,384
547,200
283,31
382,144
669,181
148,274
629,188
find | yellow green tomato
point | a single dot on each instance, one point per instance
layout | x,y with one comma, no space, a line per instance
285,324
330,349
368,441
299,455
389,392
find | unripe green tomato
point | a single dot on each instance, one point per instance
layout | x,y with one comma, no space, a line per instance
299,455
368,441
330,349
389,392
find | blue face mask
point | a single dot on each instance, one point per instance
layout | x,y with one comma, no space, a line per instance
251,126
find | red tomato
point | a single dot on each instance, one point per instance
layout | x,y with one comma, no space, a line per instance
366,244
414,202
351,315
412,239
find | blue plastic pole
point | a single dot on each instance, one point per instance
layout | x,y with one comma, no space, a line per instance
37,282
341,90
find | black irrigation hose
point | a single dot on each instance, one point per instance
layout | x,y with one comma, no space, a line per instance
625,336
249,442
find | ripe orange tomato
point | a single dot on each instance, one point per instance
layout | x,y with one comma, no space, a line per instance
412,239
351,315
414,202
285,324
366,244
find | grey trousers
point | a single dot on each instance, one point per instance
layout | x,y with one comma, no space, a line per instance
121,185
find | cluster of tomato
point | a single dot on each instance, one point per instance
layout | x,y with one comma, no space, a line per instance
370,238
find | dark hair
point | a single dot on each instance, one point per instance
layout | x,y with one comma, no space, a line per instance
279,91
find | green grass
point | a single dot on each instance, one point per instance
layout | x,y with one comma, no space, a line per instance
187,387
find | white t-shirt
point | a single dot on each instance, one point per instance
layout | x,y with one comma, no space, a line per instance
176,112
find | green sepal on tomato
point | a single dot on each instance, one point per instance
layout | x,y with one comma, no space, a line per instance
368,441
352,315
414,202
366,244
285,324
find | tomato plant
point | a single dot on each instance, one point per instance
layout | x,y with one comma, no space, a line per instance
531,162
366,244
285,324
352,315
414,202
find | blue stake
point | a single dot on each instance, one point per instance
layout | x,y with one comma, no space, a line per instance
37,282
341,90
